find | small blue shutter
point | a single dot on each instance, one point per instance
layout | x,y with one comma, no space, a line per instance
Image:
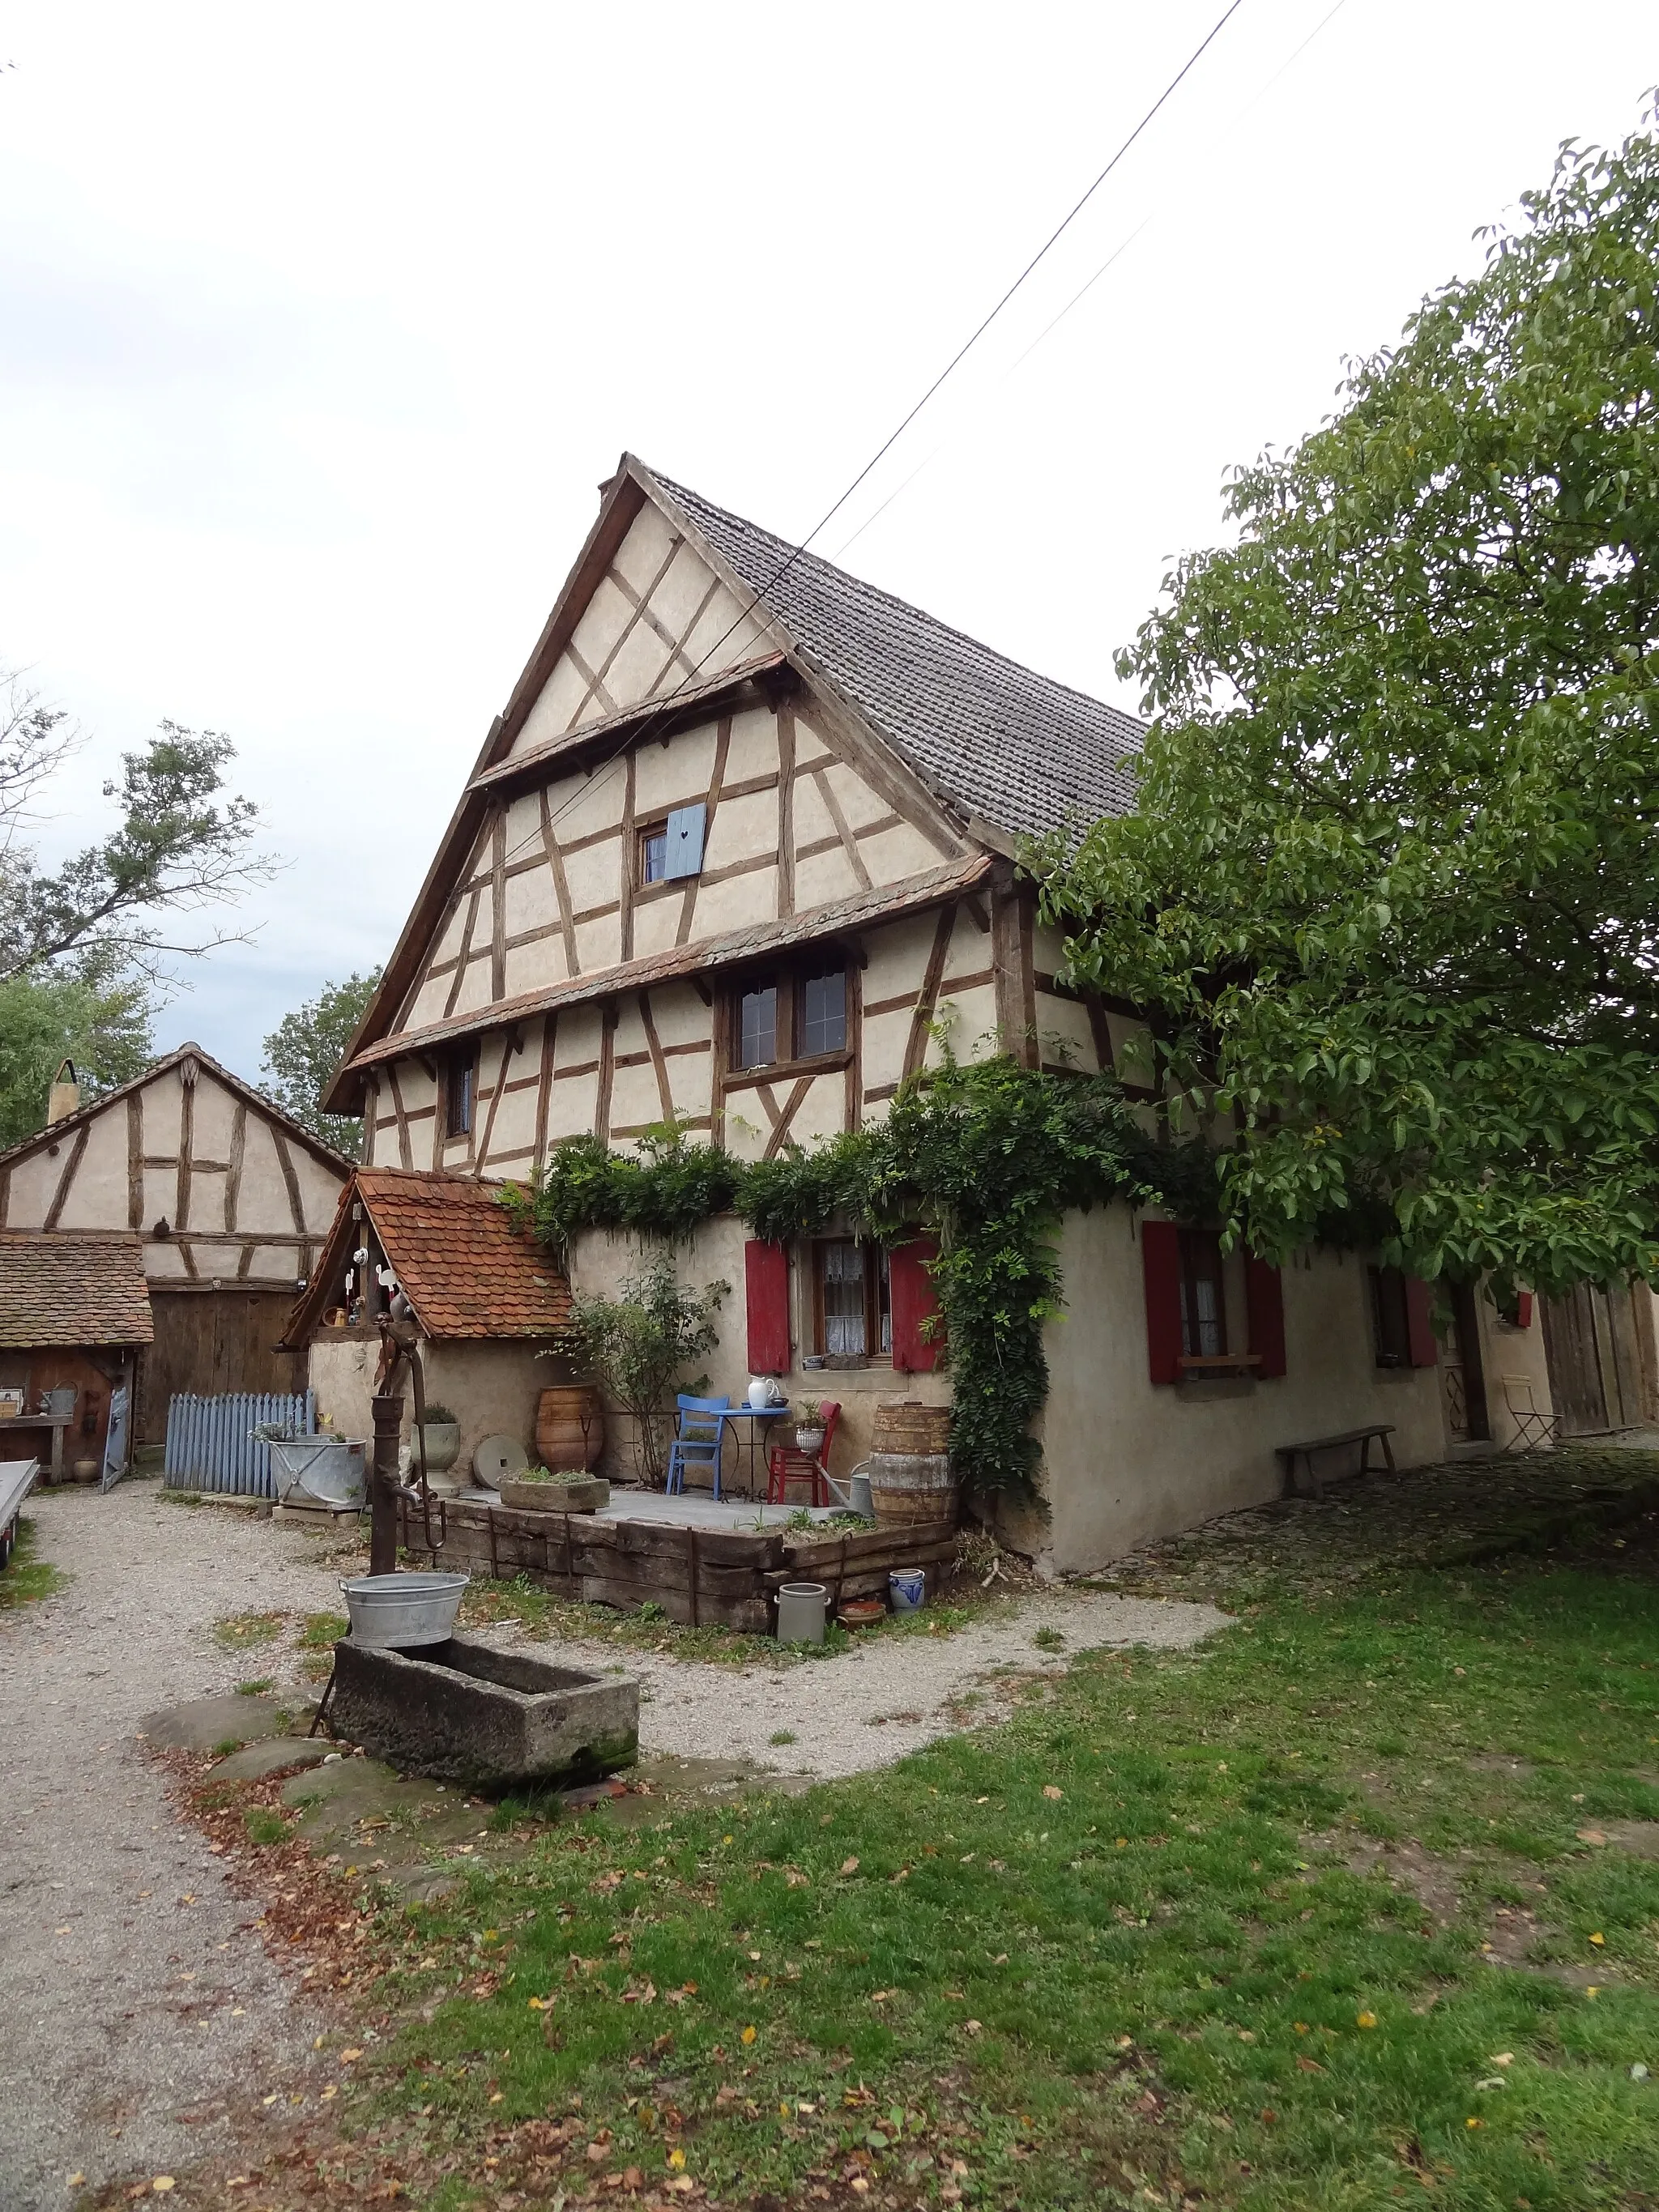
685,840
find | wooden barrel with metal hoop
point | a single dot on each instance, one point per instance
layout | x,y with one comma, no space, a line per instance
911,1479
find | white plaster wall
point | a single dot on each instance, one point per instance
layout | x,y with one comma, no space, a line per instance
599,1263
491,1387
1127,1460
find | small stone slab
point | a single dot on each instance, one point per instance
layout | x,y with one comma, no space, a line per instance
206,1723
256,1760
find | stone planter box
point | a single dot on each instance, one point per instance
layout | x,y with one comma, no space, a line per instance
462,1712
584,1496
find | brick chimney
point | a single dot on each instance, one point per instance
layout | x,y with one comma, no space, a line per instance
65,1097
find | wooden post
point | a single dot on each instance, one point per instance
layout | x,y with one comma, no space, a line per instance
383,1490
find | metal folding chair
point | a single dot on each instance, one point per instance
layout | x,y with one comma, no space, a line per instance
698,1433
1534,1430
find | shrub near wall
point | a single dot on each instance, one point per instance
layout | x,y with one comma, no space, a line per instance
987,1155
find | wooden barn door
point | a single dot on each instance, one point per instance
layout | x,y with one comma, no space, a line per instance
1599,1376
213,1343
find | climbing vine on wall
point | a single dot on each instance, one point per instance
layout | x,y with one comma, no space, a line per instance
986,1154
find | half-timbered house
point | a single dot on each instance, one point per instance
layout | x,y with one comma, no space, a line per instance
228,1199
739,852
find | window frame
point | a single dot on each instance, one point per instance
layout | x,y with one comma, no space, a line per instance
789,980
1206,1245
460,1075
878,1300
1390,1317
647,833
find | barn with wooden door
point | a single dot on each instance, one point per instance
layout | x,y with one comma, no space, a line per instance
74,1321
228,1199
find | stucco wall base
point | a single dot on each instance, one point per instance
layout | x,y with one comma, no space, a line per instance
491,1387
1126,1460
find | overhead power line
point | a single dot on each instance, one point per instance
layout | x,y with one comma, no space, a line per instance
945,374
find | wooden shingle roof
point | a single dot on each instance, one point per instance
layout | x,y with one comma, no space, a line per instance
1008,745
72,1290
465,1268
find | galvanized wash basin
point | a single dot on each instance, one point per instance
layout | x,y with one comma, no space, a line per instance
491,1719
331,1470
400,1613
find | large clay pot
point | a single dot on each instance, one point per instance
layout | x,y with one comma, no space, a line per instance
560,1414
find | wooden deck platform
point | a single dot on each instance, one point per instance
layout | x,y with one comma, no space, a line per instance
697,1575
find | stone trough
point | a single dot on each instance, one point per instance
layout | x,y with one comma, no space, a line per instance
494,1720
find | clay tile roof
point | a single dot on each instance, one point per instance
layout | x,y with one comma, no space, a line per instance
465,1268
1018,749
72,1289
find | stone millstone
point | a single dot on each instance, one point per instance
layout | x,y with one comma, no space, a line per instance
464,1712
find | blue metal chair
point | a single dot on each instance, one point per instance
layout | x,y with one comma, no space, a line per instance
698,1434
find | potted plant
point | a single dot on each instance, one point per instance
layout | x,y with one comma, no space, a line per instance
809,1431
555,1490
640,1347
441,1434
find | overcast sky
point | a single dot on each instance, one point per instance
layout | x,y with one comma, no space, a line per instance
319,327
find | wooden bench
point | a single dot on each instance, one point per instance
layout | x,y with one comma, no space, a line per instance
1379,1431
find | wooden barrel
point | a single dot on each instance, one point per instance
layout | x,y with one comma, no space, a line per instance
560,1415
907,1489
906,1424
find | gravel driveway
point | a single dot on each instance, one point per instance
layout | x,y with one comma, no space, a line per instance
139,2002
876,1704
128,2014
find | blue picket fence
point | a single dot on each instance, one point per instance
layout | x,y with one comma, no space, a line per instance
211,1446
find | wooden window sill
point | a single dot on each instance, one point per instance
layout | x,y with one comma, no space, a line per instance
1220,1363
786,1071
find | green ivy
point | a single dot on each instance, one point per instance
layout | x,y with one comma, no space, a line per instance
987,1155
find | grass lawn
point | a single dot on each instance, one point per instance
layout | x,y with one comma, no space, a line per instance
26,1578
1354,1905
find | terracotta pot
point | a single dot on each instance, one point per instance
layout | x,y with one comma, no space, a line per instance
86,1470
862,1612
560,1415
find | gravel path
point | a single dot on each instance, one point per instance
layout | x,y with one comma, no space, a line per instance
138,2002
128,2016
889,1697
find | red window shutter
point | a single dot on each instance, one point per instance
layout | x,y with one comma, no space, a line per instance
1523,1309
1419,1326
1264,1308
914,1302
766,1281
1160,1259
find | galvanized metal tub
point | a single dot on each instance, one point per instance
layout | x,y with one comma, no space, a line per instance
332,1470
401,1612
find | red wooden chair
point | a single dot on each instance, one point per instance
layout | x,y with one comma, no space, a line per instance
789,1464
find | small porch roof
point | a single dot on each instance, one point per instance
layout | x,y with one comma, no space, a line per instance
465,1270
